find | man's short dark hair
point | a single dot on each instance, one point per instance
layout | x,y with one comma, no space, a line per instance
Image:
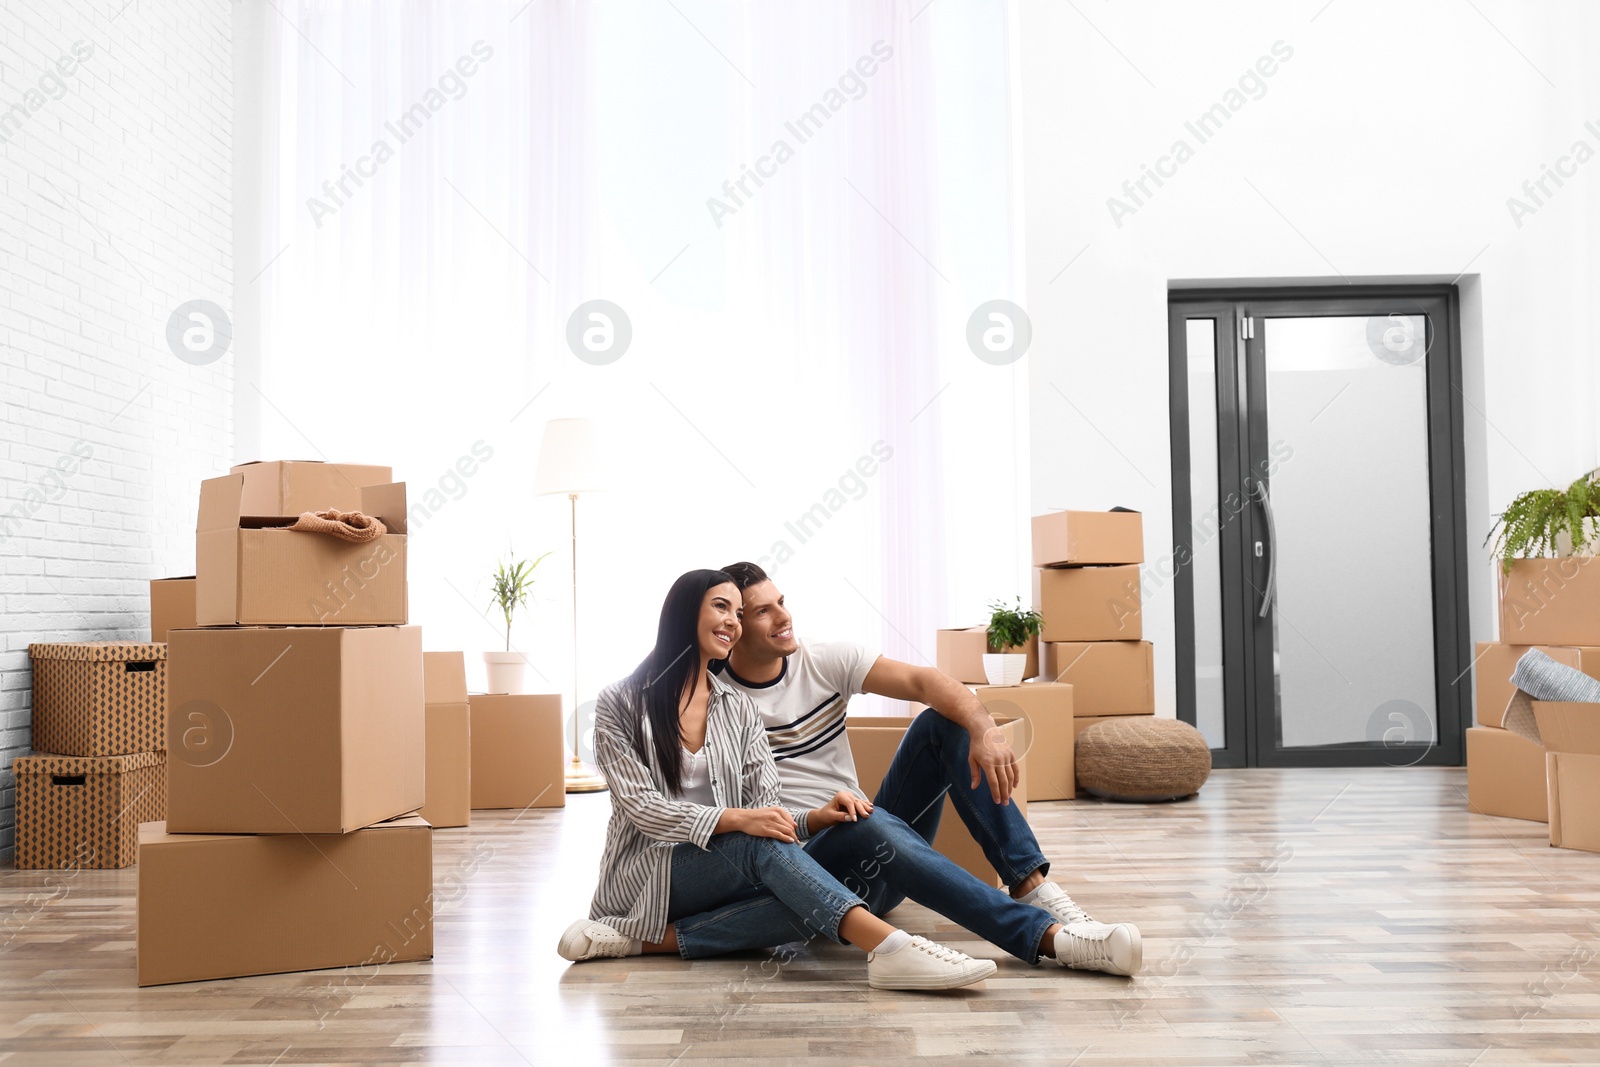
745,575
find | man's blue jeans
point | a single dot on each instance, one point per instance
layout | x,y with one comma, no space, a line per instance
887,857
738,873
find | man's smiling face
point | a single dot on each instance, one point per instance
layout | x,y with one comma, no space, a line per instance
768,626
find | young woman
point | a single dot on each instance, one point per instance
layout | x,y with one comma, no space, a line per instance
695,822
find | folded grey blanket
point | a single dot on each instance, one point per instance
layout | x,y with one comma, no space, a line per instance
1538,677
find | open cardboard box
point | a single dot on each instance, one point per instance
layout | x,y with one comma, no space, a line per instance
1570,734
289,487
253,571
1494,662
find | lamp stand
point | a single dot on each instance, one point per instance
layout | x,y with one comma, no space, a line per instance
581,778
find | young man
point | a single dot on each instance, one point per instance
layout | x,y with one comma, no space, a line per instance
882,848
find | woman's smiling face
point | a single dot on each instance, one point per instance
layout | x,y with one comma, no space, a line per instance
719,620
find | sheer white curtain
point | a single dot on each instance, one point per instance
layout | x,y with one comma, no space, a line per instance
798,386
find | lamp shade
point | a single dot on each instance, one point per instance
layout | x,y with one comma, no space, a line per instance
570,459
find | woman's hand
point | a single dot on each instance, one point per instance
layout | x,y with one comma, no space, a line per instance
758,822
844,807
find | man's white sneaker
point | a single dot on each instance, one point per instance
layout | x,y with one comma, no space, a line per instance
924,964
1054,899
1091,946
587,940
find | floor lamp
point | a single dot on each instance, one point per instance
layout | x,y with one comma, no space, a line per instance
570,465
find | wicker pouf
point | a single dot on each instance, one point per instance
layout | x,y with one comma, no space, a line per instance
1142,758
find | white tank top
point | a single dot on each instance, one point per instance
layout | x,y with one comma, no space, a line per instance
696,779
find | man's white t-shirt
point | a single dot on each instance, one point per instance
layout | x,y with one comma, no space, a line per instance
803,709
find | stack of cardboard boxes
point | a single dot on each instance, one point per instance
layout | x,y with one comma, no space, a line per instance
100,728
1091,662
296,730
1552,605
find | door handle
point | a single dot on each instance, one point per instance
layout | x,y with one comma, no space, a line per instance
1272,550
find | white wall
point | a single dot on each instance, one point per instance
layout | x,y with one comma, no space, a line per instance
114,192
1386,146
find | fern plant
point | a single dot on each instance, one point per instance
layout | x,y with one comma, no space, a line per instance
1532,523
1012,627
511,583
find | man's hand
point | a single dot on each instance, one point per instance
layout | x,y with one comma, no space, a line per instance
758,822
990,755
844,807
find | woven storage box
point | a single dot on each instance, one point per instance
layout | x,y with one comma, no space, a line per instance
1142,758
99,698
85,811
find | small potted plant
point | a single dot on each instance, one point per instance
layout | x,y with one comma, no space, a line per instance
511,583
1011,630
1550,522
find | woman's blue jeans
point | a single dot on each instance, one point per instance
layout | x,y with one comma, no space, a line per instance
740,878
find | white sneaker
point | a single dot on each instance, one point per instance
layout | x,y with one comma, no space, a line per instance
1054,899
1091,946
587,940
924,964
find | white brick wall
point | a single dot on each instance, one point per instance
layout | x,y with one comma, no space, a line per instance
115,207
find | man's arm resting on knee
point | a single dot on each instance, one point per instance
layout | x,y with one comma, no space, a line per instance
989,754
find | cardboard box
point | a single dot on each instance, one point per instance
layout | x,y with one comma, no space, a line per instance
1080,723
444,678
171,606
1505,775
254,571
518,751
1573,783
222,906
1076,538
99,698
1493,664
873,741
1088,603
449,777
292,487
1550,601
1107,677
316,730
1048,709
81,812
959,653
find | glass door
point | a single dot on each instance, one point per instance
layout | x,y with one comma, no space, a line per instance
1316,459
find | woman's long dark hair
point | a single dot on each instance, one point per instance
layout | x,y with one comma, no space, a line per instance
658,684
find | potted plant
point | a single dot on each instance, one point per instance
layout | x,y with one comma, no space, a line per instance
1550,522
512,582
1010,631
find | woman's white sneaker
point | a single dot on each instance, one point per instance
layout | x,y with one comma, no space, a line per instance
1115,948
587,940
925,964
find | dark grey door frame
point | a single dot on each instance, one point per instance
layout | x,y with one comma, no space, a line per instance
1250,718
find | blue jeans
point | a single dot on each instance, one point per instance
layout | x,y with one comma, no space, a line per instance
931,761
739,874
884,858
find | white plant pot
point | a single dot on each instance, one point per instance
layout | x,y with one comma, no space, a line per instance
505,670
1591,526
1004,668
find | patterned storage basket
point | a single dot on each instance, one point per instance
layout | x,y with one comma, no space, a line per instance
99,698
78,812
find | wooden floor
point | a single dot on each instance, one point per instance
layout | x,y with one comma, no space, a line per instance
1290,917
